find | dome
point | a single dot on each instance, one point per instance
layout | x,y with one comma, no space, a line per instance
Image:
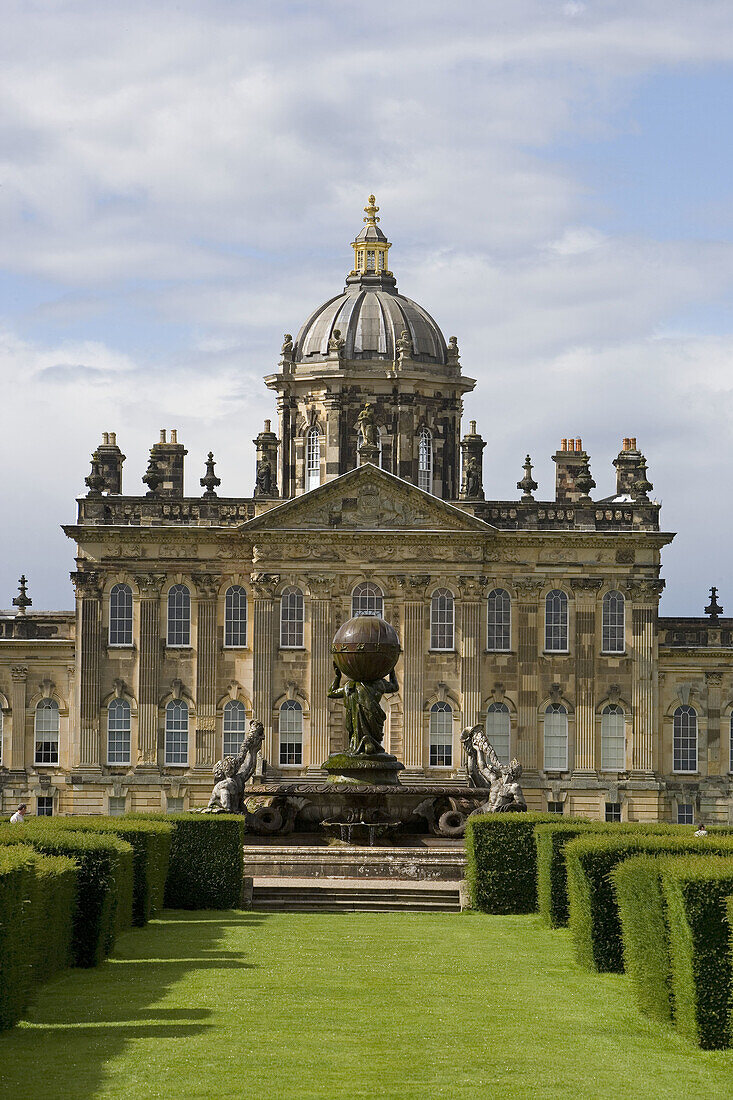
371,321
370,315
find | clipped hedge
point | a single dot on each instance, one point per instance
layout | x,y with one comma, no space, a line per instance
695,893
37,895
501,861
206,864
637,884
594,917
552,880
151,844
104,881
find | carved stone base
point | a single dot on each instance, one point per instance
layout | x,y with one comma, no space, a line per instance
380,769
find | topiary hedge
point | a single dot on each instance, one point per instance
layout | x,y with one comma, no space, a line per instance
552,881
501,861
37,901
104,881
151,845
206,864
695,893
594,918
637,884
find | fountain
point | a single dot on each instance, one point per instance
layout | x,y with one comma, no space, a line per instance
362,800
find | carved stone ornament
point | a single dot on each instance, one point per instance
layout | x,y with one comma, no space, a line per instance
88,585
120,688
19,673
47,688
646,591
472,588
528,589
714,679
319,588
586,584
207,585
149,584
264,585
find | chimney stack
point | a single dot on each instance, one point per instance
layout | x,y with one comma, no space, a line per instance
168,458
627,466
570,463
110,463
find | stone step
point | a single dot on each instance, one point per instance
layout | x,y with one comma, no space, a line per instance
353,896
319,862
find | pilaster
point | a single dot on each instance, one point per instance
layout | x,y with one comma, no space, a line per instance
471,603
414,588
320,669
17,762
207,586
149,585
89,615
528,593
586,590
264,587
645,598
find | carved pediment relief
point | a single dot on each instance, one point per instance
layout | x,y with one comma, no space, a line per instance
368,499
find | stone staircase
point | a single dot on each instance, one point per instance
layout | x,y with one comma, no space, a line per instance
331,895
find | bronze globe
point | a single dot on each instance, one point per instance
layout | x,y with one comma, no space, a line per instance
365,648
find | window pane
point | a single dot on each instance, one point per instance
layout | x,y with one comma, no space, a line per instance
367,599
44,805
685,813
554,807
556,738
118,732
235,726
499,620
441,619
684,749
498,730
614,640
176,732
313,459
613,811
179,615
47,732
613,739
116,805
291,732
556,621
120,615
235,616
291,618
425,460
441,736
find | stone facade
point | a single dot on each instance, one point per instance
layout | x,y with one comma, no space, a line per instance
194,614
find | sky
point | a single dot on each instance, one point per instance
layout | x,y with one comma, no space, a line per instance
179,184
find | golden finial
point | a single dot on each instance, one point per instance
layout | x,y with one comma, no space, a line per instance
371,211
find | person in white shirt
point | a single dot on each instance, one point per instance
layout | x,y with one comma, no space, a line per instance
701,830
19,816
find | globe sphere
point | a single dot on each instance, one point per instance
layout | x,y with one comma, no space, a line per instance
365,648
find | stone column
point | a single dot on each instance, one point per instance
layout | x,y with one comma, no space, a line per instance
17,762
207,586
149,586
528,593
320,669
645,598
413,692
472,589
586,590
88,646
713,682
264,586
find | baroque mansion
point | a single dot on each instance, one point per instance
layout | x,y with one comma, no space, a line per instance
537,618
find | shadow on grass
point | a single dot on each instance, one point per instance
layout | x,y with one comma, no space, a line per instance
83,1018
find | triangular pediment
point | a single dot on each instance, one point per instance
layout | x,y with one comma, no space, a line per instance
367,499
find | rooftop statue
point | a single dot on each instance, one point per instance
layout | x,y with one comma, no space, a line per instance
366,423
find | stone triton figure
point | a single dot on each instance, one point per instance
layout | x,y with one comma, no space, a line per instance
233,772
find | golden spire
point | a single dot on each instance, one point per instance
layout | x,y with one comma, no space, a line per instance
371,211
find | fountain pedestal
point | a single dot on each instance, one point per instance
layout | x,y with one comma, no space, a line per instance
379,768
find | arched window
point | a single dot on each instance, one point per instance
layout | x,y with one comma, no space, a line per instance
367,599
614,623
441,619
235,726
176,733
499,620
120,615
360,440
47,732
613,739
291,619
556,738
684,746
179,616
499,730
235,617
425,460
118,732
556,621
290,728
312,459
441,736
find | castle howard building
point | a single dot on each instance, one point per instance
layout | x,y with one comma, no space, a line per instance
537,618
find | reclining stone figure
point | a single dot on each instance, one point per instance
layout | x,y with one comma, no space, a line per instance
486,770
232,773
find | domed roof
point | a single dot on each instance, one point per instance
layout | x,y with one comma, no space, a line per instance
370,315
371,321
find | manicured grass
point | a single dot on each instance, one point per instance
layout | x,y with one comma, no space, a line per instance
204,1004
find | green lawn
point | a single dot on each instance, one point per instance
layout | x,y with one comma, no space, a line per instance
400,1005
